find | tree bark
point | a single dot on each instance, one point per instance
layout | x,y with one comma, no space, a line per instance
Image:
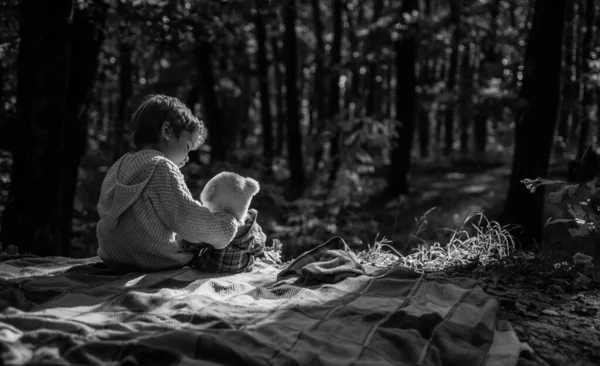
125,48
280,135
534,129
406,101
334,90
320,88
490,56
586,88
426,78
455,14
373,68
85,47
212,114
466,100
569,90
294,137
34,211
126,91
263,79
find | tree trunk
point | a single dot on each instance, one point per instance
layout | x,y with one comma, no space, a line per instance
294,136
212,115
586,89
263,79
320,93
280,135
85,46
34,211
465,103
353,93
125,48
534,129
424,130
455,11
406,101
490,56
334,90
576,112
569,90
126,91
373,68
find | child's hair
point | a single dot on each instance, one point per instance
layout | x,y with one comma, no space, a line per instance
157,109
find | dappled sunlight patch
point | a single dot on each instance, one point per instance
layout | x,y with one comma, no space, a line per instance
474,188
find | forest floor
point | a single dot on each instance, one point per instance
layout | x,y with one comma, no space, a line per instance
552,301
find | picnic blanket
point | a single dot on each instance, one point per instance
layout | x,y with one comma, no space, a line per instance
58,311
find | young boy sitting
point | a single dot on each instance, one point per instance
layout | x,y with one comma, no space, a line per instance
230,192
145,207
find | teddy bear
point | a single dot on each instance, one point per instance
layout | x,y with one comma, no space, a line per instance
230,192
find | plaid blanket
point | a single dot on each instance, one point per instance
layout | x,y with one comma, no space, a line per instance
330,262
65,311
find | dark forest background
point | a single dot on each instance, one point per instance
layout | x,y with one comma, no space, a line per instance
356,116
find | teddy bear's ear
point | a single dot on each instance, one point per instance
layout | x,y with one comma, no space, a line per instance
252,186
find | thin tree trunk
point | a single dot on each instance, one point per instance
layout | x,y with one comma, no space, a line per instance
206,81
294,136
406,101
352,93
586,89
426,78
466,100
334,90
281,118
373,68
263,79
125,93
575,76
455,12
34,211
125,49
490,56
321,95
388,94
569,90
85,46
535,126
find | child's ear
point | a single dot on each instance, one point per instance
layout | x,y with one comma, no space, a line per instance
165,130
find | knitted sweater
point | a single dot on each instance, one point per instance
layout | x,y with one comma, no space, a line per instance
146,210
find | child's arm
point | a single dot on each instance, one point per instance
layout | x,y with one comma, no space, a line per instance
177,208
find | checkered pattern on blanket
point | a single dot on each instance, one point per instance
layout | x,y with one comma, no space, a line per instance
79,312
239,255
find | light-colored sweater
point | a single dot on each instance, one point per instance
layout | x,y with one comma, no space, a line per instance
146,210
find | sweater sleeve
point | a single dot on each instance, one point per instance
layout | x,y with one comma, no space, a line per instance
176,207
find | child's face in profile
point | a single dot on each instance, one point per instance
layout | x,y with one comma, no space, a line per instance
176,148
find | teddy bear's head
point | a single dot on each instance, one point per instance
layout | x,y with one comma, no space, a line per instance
231,193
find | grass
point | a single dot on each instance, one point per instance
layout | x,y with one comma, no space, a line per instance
478,240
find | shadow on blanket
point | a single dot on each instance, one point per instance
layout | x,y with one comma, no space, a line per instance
325,308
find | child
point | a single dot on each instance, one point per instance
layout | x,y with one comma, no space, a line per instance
145,207
230,192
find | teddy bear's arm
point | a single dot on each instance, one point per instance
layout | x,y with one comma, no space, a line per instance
258,240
